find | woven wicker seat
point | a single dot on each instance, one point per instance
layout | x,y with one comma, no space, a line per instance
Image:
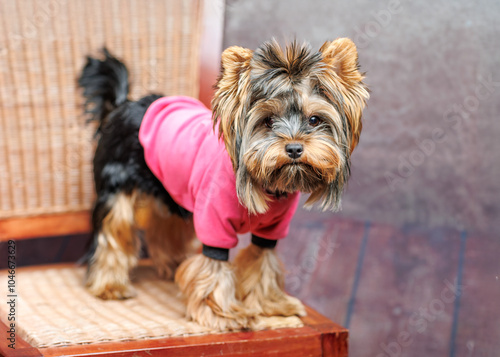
56,310
56,317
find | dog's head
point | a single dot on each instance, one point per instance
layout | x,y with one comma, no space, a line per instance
290,119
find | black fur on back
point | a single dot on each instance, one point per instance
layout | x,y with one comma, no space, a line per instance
119,164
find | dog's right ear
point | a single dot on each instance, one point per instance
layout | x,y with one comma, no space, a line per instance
230,101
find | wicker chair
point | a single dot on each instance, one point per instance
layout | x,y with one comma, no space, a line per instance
46,149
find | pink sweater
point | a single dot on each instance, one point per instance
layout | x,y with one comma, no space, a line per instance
185,154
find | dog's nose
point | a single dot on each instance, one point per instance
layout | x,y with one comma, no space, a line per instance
294,150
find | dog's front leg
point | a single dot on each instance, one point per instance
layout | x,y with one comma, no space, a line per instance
210,289
261,281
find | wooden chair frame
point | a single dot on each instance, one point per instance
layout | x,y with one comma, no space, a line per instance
318,337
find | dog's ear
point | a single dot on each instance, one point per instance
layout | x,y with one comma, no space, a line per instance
230,101
343,75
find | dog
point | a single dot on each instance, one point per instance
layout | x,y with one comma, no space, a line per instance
285,120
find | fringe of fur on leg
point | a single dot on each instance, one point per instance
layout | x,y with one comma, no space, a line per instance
210,288
261,283
116,253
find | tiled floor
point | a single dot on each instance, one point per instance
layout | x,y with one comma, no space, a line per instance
401,292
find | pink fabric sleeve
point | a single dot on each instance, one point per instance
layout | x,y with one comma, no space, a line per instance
217,215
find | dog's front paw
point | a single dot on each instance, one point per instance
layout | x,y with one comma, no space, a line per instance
210,315
210,291
261,283
279,304
273,322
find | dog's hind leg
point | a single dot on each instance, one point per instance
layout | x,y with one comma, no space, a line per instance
116,247
169,237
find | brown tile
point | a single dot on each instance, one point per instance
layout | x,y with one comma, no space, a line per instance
320,256
478,329
403,306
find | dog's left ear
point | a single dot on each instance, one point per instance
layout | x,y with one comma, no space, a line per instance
230,100
341,58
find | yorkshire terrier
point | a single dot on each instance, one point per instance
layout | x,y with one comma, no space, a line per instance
284,121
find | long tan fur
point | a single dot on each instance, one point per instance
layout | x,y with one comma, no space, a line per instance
343,75
231,98
210,289
116,252
169,238
261,283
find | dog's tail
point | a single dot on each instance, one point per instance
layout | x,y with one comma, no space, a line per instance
105,86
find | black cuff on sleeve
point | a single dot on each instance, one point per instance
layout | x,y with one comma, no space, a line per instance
263,243
216,253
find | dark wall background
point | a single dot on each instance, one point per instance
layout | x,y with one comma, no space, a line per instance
430,148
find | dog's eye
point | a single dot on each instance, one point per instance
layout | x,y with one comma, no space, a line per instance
314,120
269,122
